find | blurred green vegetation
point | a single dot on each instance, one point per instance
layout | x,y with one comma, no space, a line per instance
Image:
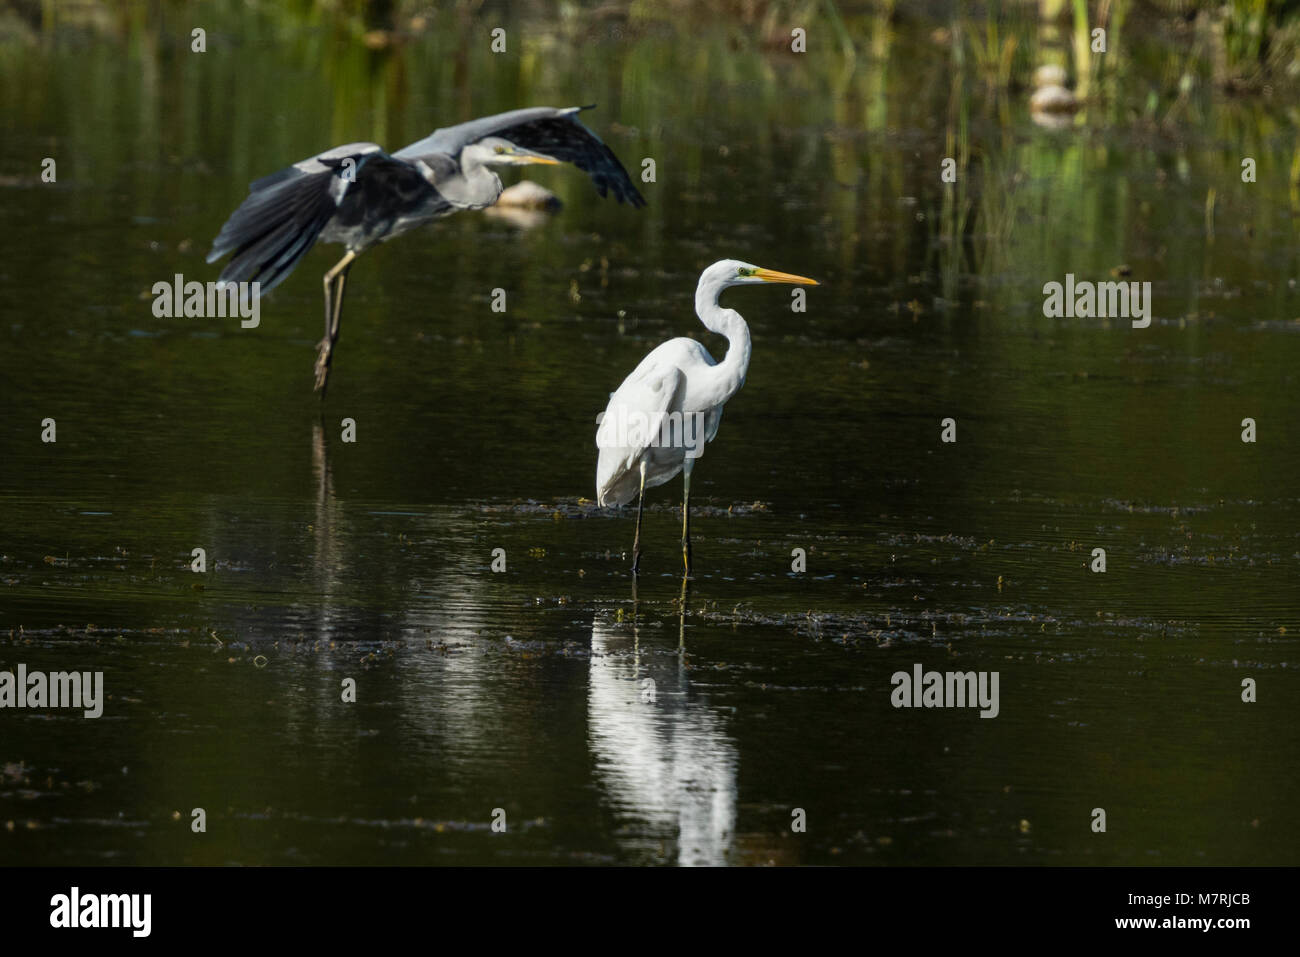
1143,174
1173,71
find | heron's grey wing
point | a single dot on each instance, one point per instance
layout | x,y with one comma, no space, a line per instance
631,426
285,213
554,132
388,196
450,140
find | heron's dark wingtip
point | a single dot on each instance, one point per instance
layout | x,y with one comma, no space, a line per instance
632,195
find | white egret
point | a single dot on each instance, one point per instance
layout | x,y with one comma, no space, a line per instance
658,420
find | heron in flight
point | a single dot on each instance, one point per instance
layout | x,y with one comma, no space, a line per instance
358,195
658,420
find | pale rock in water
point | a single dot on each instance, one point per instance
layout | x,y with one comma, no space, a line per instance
1049,74
1053,99
528,195
1051,95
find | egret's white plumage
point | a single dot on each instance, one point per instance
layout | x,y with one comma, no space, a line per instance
679,380
660,385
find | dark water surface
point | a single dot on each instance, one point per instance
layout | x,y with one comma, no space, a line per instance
524,690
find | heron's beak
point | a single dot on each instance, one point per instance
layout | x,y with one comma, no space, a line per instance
539,159
771,275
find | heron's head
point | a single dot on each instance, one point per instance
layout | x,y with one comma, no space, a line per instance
733,272
494,151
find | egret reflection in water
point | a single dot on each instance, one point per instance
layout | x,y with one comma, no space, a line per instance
662,752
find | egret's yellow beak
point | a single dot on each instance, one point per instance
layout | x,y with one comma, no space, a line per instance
771,275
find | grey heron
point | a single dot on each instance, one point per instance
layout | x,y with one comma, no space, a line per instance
678,386
358,195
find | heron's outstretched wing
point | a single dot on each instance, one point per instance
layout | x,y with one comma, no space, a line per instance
631,425
284,214
554,132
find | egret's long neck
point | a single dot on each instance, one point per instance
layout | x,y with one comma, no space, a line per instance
730,372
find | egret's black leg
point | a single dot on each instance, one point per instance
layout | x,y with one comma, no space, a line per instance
686,513
334,283
681,612
640,505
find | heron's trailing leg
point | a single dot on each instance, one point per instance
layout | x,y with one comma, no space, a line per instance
334,282
640,505
686,513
